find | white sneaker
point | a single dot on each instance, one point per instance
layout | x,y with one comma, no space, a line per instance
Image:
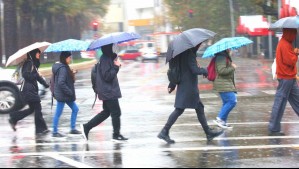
222,124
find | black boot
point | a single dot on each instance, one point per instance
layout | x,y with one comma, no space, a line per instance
213,133
164,135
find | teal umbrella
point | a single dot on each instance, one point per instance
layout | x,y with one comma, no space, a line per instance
71,45
226,43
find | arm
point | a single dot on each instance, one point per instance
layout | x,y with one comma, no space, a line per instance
222,68
109,71
289,56
61,81
193,65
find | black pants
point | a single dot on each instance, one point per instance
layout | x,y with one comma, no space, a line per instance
178,112
40,124
110,107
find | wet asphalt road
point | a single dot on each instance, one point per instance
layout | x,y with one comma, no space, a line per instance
145,109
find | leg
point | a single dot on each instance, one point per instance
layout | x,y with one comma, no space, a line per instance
211,134
98,119
58,113
114,109
294,98
229,103
281,98
40,124
19,115
164,134
75,111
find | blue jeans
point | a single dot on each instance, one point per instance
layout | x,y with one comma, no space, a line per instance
229,100
59,109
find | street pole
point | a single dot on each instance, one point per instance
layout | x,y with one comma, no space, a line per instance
2,31
270,34
232,20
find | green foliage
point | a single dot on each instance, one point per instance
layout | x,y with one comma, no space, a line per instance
210,14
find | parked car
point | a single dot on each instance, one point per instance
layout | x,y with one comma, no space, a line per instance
149,54
10,96
129,54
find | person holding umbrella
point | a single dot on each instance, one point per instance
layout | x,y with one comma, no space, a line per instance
64,92
184,48
224,74
108,91
286,71
30,94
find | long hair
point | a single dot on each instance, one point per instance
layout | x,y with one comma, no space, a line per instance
63,57
32,56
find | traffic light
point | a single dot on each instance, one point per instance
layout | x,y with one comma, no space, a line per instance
95,26
190,13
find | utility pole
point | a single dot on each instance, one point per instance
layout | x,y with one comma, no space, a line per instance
232,19
2,31
270,34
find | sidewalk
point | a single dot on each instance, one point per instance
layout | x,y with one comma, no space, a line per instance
47,72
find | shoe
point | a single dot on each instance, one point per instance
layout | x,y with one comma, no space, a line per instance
119,138
75,132
84,132
164,135
46,131
58,135
271,133
222,124
12,125
213,133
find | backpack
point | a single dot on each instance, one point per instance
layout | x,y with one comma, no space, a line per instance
212,72
94,81
174,71
52,86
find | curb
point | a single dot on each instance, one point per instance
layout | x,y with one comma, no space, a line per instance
47,72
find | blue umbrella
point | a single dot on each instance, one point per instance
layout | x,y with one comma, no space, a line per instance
288,22
226,43
70,45
113,38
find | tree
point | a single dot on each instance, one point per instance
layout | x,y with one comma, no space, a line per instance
10,27
25,27
209,14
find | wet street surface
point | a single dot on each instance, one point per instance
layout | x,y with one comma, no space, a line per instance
146,106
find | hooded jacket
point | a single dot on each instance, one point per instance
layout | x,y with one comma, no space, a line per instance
286,59
64,88
31,76
106,81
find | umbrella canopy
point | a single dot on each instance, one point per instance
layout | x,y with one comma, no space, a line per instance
187,40
226,43
71,45
21,55
288,22
113,38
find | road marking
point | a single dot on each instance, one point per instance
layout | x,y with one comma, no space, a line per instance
68,161
155,150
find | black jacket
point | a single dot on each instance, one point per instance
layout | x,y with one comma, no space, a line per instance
106,80
187,92
64,88
31,76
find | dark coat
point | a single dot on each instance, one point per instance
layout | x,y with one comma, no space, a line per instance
64,88
31,76
106,81
187,92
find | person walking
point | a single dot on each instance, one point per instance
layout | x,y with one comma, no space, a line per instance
225,85
30,95
108,91
187,96
288,90
64,92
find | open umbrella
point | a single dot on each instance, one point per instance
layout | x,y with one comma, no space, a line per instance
288,22
113,38
71,45
226,43
187,40
21,55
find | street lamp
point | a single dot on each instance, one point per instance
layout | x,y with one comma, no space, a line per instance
2,31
